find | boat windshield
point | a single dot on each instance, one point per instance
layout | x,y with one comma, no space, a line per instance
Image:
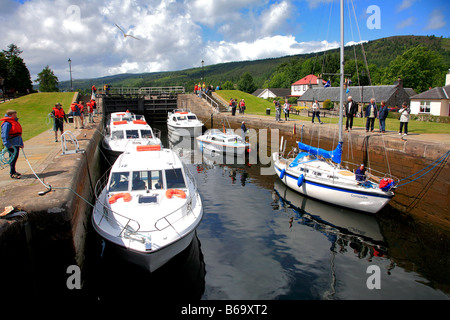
181,118
146,134
117,134
132,134
147,180
119,181
174,179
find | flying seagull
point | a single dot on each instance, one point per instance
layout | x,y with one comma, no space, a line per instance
124,34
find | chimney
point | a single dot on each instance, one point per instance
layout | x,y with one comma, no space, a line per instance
399,82
447,78
319,80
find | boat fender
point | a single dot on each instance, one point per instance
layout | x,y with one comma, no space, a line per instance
139,122
282,173
175,193
120,122
300,180
150,147
124,195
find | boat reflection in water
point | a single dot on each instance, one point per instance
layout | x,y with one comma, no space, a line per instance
342,226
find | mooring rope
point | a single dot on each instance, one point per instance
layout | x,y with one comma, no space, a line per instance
7,156
433,165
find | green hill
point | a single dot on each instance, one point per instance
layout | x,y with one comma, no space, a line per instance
379,52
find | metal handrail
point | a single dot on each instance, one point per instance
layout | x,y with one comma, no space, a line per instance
210,101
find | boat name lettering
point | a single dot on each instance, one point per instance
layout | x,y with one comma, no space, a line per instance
359,196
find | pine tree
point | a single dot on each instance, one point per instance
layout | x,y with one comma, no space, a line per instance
48,82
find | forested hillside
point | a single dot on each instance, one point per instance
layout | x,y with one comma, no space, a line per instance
385,58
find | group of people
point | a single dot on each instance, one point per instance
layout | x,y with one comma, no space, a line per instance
11,130
286,109
374,112
198,88
233,104
77,111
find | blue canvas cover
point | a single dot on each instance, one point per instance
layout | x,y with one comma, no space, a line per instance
334,155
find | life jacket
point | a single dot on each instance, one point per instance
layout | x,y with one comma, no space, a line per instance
16,128
81,107
90,107
59,113
73,107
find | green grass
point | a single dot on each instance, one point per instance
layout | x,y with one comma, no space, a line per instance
257,106
32,110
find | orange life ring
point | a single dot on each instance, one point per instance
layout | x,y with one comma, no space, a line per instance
125,195
175,192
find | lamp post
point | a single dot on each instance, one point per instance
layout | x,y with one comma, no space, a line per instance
70,70
203,73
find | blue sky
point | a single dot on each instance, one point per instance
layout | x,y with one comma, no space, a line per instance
176,35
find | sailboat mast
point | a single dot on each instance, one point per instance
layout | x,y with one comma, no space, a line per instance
341,86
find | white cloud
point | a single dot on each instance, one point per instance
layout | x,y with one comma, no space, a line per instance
405,5
436,20
172,34
406,23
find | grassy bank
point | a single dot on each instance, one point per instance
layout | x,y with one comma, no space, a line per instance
33,109
258,106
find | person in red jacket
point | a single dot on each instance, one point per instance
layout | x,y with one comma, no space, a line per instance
12,139
90,106
59,117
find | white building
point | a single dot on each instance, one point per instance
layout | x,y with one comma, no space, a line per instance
435,101
310,81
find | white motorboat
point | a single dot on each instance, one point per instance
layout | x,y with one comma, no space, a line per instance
124,129
149,207
317,173
183,123
225,142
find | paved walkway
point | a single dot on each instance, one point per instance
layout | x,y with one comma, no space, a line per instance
39,151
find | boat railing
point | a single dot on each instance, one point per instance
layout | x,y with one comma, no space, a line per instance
373,174
184,210
99,187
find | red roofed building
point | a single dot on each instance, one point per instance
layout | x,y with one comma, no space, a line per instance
298,88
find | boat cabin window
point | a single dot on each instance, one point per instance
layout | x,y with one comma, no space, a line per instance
192,117
146,134
132,134
119,182
174,179
147,180
217,139
117,134
182,118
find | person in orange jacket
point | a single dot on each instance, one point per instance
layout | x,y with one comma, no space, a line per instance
59,117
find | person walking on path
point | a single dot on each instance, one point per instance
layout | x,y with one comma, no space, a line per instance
76,114
350,111
316,111
58,120
233,106
286,109
242,106
404,118
12,139
382,115
277,110
371,115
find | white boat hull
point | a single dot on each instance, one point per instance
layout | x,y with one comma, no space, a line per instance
352,197
184,132
220,148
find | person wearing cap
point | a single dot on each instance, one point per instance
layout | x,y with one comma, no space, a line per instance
244,129
12,139
360,173
59,117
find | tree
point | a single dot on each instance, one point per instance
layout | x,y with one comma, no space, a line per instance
419,68
246,83
48,82
13,51
19,77
228,85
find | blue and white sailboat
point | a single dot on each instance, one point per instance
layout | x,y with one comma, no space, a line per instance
317,173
